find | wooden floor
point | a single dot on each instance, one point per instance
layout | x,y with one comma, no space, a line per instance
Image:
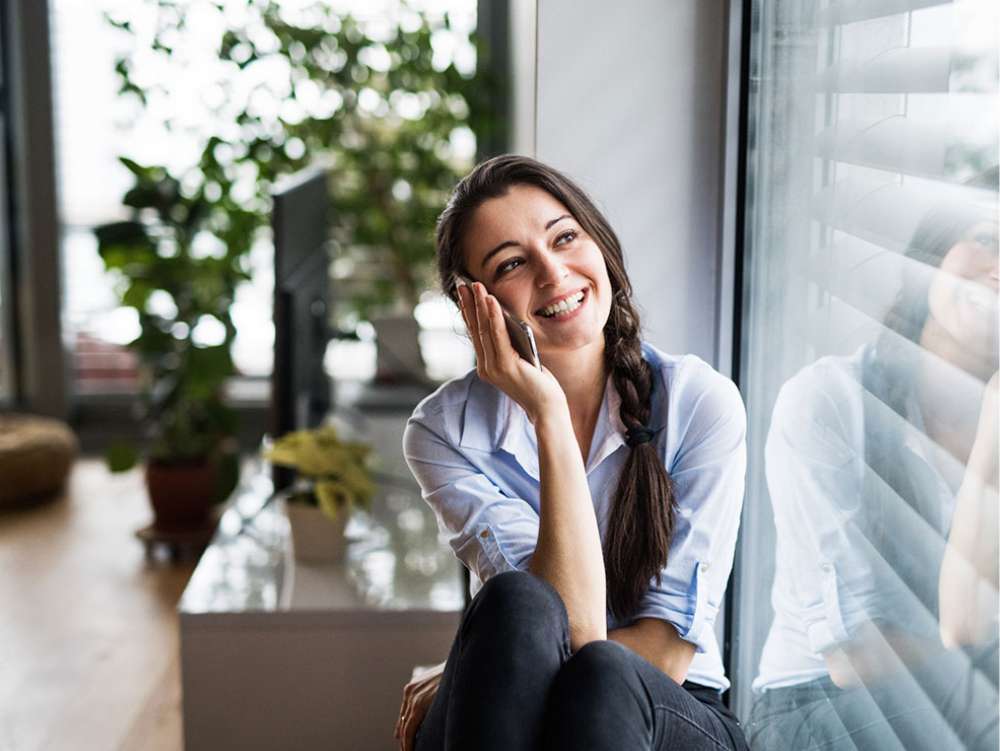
88,628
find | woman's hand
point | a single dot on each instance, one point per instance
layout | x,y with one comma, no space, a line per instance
498,363
418,695
983,457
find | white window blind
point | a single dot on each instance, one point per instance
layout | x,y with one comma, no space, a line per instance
869,338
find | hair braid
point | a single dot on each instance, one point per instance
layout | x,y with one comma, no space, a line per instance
642,516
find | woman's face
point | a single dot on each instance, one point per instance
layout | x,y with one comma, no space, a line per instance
531,254
963,293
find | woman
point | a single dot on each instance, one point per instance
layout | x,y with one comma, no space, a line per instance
602,560
882,472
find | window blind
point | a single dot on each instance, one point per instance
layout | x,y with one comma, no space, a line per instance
869,335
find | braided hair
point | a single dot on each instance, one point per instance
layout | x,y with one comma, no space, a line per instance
641,522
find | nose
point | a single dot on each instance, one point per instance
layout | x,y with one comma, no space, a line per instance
551,270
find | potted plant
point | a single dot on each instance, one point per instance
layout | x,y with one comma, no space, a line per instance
333,477
182,300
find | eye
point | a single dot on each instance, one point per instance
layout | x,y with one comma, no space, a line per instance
566,237
987,240
506,266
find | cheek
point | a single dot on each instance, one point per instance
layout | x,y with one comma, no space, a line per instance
598,269
967,261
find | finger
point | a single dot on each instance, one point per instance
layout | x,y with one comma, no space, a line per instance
470,309
483,324
467,296
403,709
501,338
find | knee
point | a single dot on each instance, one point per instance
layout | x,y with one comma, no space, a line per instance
599,681
521,600
596,666
598,675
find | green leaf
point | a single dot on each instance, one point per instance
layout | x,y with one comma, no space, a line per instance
332,498
227,474
121,457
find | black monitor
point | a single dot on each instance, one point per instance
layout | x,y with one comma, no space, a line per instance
301,391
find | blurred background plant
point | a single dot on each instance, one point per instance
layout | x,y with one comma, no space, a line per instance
333,474
389,106
386,104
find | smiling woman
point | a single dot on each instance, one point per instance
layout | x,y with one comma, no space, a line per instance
591,600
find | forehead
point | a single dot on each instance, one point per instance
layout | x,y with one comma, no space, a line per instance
521,212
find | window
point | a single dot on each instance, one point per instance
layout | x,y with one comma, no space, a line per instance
94,125
869,335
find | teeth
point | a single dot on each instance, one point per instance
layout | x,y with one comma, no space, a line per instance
570,303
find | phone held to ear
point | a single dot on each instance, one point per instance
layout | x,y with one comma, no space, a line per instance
521,336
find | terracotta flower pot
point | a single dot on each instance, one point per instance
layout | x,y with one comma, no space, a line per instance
315,536
181,493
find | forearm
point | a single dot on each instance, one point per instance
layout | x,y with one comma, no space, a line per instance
968,579
659,644
568,554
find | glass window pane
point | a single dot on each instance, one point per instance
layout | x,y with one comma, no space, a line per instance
95,124
869,364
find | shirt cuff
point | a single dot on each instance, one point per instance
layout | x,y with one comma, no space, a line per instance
829,629
483,554
692,613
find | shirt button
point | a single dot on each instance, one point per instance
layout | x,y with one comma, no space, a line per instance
484,534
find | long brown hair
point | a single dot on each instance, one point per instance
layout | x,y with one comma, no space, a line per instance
641,523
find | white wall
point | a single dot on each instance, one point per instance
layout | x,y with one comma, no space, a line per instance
630,101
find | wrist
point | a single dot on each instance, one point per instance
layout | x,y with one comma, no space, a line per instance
552,416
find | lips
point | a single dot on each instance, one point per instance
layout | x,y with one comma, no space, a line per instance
566,315
560,298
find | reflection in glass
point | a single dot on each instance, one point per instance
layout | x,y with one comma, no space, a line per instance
877,465
870,374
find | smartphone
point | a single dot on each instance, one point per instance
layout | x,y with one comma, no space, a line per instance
521,336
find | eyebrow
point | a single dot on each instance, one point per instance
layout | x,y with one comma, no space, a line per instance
510,243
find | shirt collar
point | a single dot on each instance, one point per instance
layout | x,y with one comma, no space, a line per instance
495,422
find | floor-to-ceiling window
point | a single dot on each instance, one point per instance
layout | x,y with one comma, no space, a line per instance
867,578
95,124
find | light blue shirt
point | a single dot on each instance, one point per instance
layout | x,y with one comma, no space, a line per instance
849,549
474,453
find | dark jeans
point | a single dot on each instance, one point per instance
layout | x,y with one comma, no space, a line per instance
948,702
511,683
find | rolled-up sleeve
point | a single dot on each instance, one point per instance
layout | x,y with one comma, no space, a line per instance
489,531
708,474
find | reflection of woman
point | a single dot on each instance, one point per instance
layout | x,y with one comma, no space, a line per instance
600,523
882,473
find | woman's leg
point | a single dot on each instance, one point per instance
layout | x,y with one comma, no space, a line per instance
948,701
608,697
512,641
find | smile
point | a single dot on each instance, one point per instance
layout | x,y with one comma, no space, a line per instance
565,308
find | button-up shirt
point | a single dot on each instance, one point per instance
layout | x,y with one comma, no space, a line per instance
849,549
474,453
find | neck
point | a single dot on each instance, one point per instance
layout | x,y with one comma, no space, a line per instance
582,375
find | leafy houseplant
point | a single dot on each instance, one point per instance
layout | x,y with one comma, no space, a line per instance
377,100
333,478
182,298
